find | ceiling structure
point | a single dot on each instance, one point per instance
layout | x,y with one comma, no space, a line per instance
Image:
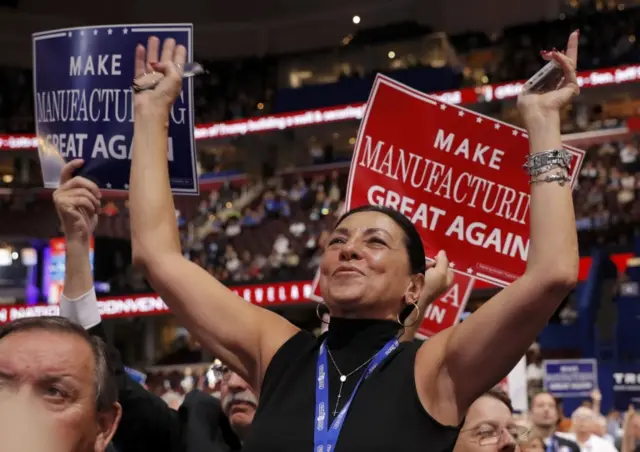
225,29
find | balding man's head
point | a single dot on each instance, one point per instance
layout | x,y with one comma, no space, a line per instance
57,363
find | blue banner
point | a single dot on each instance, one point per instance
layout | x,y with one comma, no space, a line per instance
626,390
570,377
84,109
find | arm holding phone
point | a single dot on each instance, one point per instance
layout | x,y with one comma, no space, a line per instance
147,422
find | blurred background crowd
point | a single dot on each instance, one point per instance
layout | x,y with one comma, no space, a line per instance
268,199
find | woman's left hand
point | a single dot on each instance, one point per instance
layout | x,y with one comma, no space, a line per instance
542,106
437,279
164,68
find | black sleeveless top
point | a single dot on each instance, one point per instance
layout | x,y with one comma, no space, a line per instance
386,413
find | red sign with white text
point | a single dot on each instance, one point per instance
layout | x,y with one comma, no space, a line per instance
446,310
316,294
456,174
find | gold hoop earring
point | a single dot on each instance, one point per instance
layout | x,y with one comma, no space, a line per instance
318,312
415,309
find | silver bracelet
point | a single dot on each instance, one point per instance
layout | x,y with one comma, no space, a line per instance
542,162
546,168
561,177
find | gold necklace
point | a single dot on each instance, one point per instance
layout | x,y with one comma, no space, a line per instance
343,377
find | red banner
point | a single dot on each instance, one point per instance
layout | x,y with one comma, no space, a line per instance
337,113
455,173
316,295
446,310
151,304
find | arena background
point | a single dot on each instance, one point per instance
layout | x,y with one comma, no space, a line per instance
297,74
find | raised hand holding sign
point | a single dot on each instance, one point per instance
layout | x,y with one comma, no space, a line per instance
84,104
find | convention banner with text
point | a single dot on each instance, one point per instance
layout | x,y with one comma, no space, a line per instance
84,104
455,173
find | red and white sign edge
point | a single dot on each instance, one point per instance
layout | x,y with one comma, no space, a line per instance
463,304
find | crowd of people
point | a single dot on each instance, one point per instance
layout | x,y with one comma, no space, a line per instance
607,202
292,216
376,286
59,378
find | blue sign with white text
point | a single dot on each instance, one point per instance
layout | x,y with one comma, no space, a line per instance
570,377
84,104
626,389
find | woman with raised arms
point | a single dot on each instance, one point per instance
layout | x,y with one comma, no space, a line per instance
356,388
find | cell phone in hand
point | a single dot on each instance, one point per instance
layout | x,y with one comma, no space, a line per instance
546,79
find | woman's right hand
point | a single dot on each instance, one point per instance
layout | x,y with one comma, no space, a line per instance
165,68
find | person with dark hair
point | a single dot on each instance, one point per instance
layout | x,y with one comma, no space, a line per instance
357,386
148,423
55,364
489,425
545,415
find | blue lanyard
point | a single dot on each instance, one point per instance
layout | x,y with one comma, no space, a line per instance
325,437
552,446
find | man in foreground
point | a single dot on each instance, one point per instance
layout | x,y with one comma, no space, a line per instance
56,388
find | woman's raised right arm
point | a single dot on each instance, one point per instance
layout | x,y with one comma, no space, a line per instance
243,336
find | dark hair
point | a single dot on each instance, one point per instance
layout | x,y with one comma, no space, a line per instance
556,401
498,394
104,382
412,240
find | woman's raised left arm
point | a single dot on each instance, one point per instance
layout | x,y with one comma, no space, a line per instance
455,367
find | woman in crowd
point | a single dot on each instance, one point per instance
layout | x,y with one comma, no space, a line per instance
410,395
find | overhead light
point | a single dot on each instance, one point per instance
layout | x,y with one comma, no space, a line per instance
391,55
356,19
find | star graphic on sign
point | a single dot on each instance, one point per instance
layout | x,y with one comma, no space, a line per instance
109,31
469,270
443,107
125,31
497,126
479,120
95,32
81,32
515,133
461,113
452,264
108,184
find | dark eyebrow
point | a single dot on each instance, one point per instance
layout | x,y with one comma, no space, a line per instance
368,231
6,375
54,378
